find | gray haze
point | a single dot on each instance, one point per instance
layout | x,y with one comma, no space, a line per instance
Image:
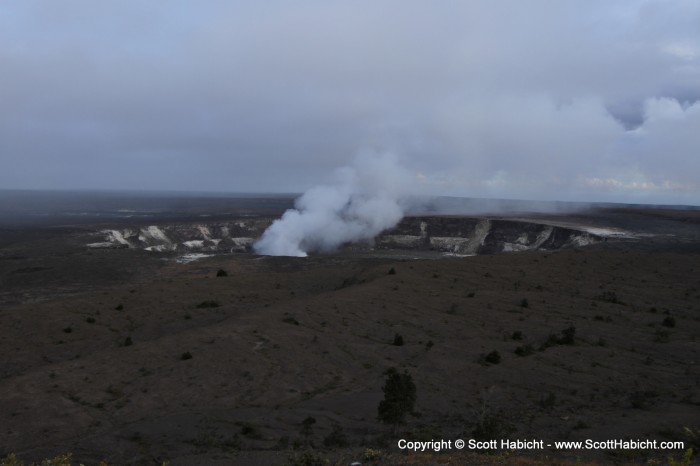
585,100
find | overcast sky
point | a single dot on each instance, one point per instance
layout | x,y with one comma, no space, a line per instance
538,99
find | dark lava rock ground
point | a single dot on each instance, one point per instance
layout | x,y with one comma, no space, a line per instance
120,355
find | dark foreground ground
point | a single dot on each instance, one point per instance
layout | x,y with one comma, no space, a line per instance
122,356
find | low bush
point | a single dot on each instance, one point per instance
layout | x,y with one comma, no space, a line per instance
208,304
493,357
336,438
567,337
524,350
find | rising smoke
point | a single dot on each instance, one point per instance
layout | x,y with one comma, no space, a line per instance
365,198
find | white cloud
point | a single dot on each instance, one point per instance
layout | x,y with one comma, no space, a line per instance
507,99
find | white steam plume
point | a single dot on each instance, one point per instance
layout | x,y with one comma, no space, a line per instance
364,200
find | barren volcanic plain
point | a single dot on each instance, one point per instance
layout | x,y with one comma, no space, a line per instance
132,356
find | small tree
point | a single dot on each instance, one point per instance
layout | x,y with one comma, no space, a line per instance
336,439
399,398
307,428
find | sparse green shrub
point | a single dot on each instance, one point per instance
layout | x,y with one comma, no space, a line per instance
669,322
186,355
567,337
398,340
552,340
548,401
208,304
427,432
221,273
686,459
68,330
282,443
399,397
492,426
517,335
336,438
609,297
371,454
290,320
306,458
11,460
642,399
524,303
662,336
430,344
392,271
120,307
581,425
692,436
524,350
60,460
493,357
248,429
208,439
115,391
128,341
351,281
307,426
471,294
90,320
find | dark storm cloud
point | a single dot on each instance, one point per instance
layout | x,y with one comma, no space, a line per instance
591,100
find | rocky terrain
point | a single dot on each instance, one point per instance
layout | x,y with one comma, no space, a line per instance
126,355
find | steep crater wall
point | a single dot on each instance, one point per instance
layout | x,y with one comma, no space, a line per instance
460,235
455,235
232,236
